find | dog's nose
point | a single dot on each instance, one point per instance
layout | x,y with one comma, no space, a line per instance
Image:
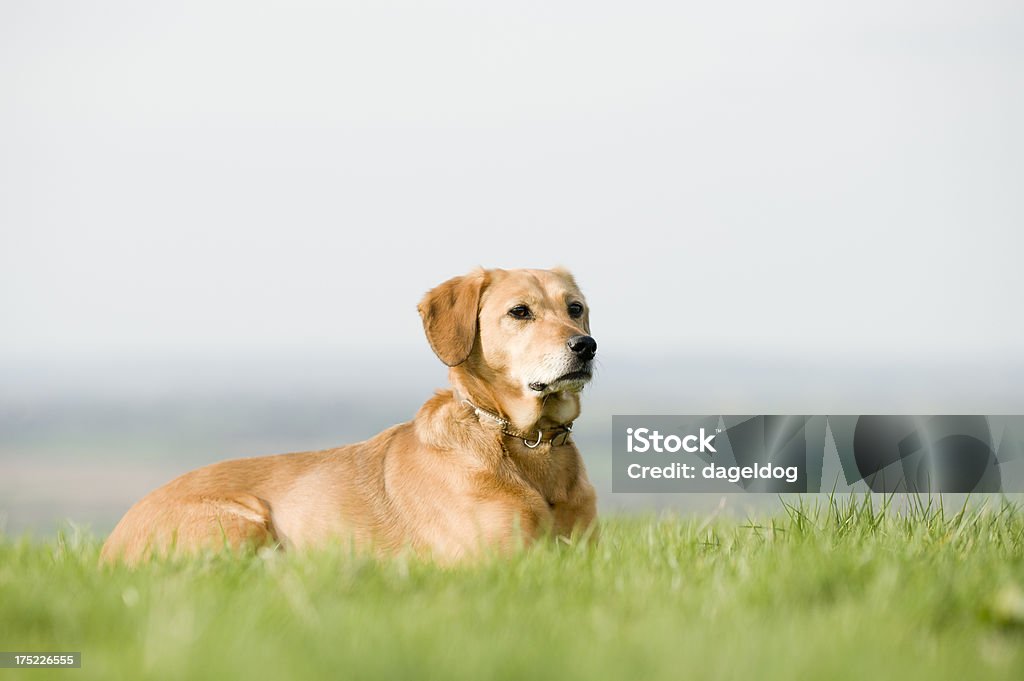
583,347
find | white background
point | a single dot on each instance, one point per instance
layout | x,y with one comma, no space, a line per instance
216,219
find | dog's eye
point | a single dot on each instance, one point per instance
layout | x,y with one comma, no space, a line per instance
520,312
575,310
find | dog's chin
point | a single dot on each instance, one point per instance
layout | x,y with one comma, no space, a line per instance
574,381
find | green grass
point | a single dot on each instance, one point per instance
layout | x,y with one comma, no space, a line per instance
836,590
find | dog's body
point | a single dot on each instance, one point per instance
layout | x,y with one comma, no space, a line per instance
482,466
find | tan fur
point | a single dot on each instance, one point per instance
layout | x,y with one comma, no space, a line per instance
447,484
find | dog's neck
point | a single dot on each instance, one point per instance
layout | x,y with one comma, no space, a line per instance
526,413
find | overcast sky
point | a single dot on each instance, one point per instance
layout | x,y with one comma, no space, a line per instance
812,178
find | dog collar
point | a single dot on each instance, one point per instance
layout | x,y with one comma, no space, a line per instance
549,435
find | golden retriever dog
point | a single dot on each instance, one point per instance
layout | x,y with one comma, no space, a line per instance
486,465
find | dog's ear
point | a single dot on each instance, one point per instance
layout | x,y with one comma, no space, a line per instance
449,314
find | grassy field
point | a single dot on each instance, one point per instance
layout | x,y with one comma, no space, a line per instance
836,590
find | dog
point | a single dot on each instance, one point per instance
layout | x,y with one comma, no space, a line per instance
485,466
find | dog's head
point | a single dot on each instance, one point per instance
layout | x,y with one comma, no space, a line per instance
526,330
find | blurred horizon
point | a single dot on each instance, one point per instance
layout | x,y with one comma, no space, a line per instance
83,441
